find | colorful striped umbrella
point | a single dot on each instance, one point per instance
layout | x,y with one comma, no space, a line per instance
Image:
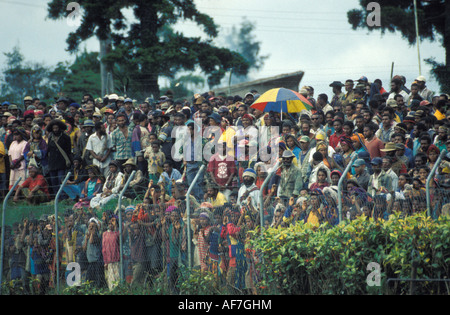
282,100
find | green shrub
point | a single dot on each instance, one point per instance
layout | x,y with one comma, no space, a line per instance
306,259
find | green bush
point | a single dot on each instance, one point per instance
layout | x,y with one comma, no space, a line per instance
306,259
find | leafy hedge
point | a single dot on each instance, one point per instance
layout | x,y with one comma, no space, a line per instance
306,259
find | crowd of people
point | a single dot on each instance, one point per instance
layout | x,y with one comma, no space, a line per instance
393,138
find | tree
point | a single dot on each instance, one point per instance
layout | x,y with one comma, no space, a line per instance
83,76
398,16
21,78
244,42
138,47
99,18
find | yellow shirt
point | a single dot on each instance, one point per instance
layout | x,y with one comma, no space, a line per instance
2,158
219,201
313,218
439,115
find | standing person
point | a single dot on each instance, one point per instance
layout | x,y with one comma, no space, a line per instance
338,132
373,144
291,177
16,158
204,227
59,153
424,91
155,160
168,175
121,139
87,129
175,236
111,254
99,146
3,188
349,95
222,170
92,245
35,152
337,93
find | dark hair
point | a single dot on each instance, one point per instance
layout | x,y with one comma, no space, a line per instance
323,96
98,125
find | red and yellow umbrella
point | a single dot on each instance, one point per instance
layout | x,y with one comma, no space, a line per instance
282,100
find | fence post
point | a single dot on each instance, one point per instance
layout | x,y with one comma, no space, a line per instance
119,210
56,229
341,182
188,214
5,201
430,178
261,195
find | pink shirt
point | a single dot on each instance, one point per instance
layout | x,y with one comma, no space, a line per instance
110,247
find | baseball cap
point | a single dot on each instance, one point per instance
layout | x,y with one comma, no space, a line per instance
376,161
305,139
421,78
359,162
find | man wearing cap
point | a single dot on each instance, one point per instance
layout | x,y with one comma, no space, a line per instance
349,95
361,173
249,99
87,129
291,181
304,156
249,189
59,153
337,93
397,165
378,182
424,91
393,177
14,110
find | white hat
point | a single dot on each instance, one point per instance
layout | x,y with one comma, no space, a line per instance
113,97
421,78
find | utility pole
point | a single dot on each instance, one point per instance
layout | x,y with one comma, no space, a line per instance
105,71
417,36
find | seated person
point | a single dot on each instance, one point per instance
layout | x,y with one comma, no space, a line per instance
92,187
111,187
34,188
78,176
138,185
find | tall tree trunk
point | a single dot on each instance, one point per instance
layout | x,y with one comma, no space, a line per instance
105,69
447,35
148,18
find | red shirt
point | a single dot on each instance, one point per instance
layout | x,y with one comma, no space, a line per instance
221,169
374,147
39,180
334,140
110,247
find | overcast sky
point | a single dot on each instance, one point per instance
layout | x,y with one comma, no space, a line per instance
312,36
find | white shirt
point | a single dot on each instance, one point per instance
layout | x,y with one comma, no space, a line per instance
255,194
99,147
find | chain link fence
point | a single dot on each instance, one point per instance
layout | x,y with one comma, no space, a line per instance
153,239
